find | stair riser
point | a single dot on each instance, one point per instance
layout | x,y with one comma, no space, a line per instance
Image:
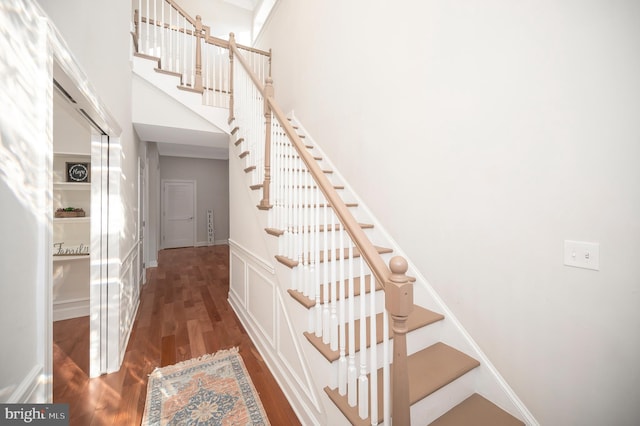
356,312
441,401
325,272
416,340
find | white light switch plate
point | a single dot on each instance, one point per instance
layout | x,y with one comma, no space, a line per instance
582,254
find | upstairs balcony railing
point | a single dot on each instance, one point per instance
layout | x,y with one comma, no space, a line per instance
185,47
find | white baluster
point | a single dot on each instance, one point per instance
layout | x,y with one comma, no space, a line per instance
342,362
184,50
140,26
177,44
155,29
334,286
289,201
316,278
373,377
351,368
363,381
171,52
326,317
163,53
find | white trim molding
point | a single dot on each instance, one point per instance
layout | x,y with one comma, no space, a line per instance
71,308
246,253
27,389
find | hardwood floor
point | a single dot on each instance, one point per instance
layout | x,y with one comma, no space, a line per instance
183,314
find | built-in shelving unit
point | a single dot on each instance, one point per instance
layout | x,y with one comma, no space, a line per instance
71,272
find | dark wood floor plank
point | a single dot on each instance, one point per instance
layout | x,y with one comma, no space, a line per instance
183,314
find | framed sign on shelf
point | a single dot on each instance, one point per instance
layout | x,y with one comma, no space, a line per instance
77,171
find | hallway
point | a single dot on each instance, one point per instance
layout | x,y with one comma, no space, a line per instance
183,314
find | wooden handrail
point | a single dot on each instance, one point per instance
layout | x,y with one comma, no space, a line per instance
397,286
216,41
182,12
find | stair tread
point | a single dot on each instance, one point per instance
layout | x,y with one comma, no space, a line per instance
310,303
189,89
477,411
278,232
336,256
167,72
145,56
429,370
419,317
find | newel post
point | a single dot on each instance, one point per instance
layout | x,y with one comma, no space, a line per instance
268,93
399,303
198,33
232,43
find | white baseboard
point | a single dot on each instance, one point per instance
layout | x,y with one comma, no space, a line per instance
28,390
215,243
71,308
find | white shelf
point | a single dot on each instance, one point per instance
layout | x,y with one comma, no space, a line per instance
84,219
67,258
71,154
75,186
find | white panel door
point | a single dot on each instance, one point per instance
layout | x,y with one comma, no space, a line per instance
178,214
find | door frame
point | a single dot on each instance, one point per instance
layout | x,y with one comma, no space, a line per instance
163,229
143,202
104,351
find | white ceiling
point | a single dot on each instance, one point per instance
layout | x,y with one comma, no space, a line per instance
245,4
180,142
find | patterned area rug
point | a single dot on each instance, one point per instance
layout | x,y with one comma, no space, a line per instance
212,390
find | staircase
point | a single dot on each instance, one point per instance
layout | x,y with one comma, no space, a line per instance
385,357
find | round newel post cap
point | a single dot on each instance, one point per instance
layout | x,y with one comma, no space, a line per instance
399,266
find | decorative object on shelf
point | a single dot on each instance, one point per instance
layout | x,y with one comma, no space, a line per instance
60,250
70,212
77,172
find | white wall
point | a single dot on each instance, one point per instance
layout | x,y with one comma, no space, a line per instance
212,185
482,137
25,168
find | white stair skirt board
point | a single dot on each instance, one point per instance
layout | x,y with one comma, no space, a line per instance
145,69
71,308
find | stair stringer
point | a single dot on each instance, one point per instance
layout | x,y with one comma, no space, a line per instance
485,379
278,335
145,69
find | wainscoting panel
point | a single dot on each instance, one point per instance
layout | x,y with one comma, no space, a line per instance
256,298
261,302
129,296
237,278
